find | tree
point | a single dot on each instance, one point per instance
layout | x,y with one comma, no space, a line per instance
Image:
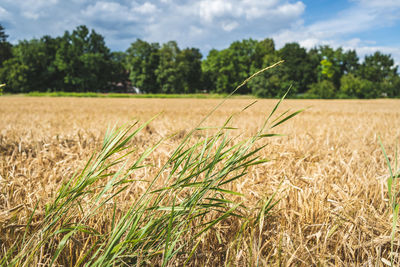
85,61
167,72
335,63
3,35
355,87
381,70
327,69
227,68
323,89
330,68
218,68
298,67
209,68
28,69
315,58
119,74
262,48
142,60
5,47
15,75
241,56
272,83
390,87
378,67
349,62
189,65
80,61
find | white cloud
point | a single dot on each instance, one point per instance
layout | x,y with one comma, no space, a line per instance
34,9
255,9
198,23
363,16
4,14
380,3
108,11
146,8
248,10
348,22
209,9
224,21
113,15
229,25
291,9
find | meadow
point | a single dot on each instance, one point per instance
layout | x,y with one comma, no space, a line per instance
327,171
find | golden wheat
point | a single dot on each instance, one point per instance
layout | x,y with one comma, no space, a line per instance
329,171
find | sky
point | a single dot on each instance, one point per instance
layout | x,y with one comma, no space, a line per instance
364,25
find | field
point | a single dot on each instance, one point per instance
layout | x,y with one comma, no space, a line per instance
328,170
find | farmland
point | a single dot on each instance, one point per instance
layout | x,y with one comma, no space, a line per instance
328,170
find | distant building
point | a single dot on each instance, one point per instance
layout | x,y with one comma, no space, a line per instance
126,87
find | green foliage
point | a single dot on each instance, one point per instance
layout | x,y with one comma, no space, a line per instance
119,76
3,35
142,60
349,62
270,84
327,68
77,62
226,69
324,89
5,47
189,68
378,67
166,69
31,67
209,68
81,62
335,63
84,60
390,87
299,67
355,87
167,72
262,49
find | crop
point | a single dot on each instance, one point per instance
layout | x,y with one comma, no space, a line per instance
164,223
328,174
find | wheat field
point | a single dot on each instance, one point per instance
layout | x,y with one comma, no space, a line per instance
328,171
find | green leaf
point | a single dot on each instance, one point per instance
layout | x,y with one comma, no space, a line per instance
287,118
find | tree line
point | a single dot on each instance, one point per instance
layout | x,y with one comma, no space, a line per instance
80,61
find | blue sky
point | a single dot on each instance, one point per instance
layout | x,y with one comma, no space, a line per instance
364,25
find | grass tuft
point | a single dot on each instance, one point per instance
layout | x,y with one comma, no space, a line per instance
393,194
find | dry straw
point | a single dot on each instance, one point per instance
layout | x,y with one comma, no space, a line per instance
187,198
329,175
